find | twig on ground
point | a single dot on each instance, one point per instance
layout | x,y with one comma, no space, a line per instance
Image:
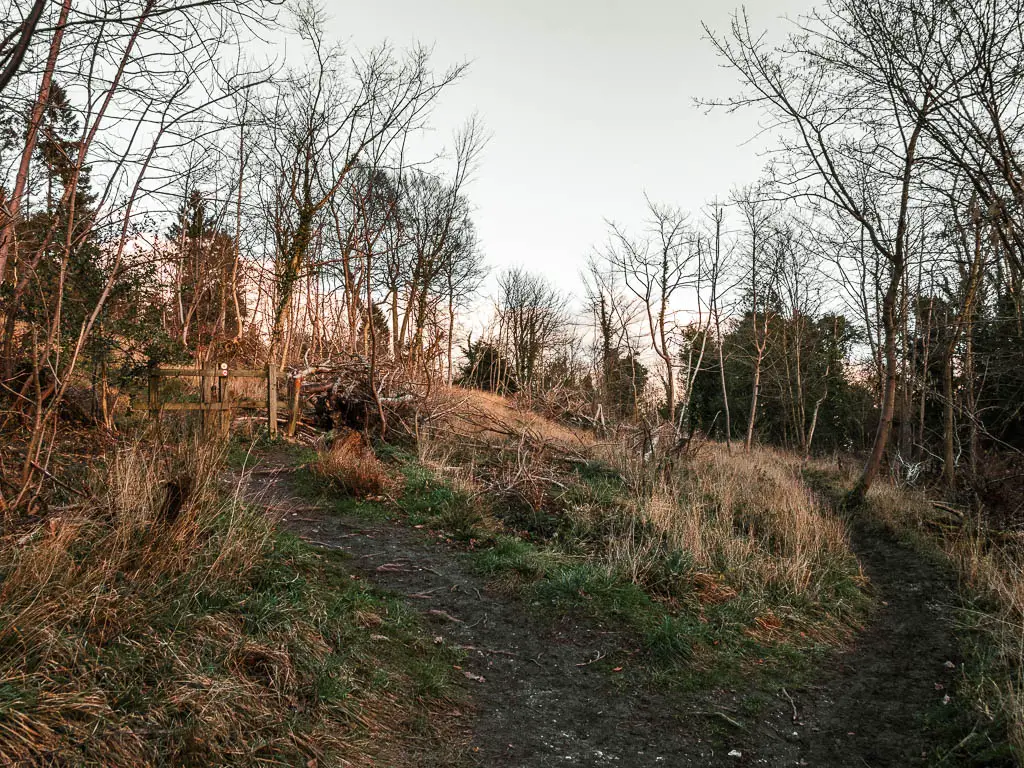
600,655
58,481
428,595
271,470
323,544
961,743
486,650
792,704
729,720
444,615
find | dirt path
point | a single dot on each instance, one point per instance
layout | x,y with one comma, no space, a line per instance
534,706
537,702
882,701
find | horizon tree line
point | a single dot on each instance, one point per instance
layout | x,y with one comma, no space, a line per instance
165,198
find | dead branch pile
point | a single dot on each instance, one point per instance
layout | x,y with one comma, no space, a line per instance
354,394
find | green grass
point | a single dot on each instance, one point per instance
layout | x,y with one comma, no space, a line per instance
510,555
428,500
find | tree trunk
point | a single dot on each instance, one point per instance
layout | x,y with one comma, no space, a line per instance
948,422
898,265
725,390
970,400
888,406
8,233
820,400
237,255
451,335
753,403
801,410
814,425
670,388
925,356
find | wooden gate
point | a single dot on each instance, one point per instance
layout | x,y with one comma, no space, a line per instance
216,401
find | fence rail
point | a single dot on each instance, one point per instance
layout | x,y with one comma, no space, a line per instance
215,394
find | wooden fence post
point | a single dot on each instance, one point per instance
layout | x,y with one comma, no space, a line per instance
223,394
272,398
293,402
154,394
204,398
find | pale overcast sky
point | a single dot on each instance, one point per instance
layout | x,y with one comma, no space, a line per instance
589,103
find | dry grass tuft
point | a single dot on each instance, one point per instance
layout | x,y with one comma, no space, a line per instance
750,516
749,529
352,465
901,508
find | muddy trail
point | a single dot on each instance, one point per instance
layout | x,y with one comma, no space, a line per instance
556,691
886,701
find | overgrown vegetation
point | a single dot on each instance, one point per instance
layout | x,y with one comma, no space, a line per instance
162,622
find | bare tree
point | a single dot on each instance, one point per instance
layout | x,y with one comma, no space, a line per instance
614,314
831,91
654,268
533,321
717,267
323,124
765,245
130,84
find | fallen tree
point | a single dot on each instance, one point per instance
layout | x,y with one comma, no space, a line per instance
351,394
